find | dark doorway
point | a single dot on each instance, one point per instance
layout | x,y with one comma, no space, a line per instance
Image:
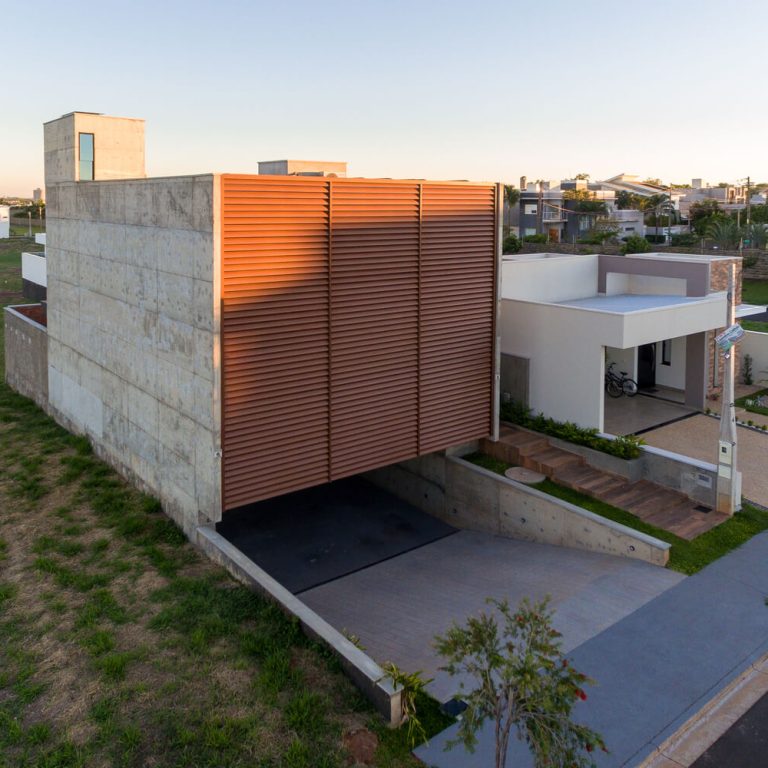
646,366
313,536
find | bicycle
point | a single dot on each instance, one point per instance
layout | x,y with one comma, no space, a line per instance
616,385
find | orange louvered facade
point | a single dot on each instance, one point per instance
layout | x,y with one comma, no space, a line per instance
357,325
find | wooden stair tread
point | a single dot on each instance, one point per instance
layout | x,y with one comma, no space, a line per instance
656,505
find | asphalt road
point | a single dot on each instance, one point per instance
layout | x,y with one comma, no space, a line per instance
744,744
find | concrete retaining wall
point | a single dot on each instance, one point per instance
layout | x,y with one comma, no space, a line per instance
364,671
132,335
26,353
468,496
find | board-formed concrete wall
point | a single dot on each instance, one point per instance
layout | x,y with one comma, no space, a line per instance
132,335
26,352
467,496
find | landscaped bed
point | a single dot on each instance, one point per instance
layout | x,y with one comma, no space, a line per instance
752,403
685,556
121,645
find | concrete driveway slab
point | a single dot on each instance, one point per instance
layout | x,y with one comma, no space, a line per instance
658,667
397,607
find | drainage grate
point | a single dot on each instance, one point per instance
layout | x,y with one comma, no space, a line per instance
702,508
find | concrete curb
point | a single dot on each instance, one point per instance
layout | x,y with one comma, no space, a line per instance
367,675
687,744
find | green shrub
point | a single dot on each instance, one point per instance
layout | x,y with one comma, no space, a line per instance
626,447
687,240
511,244
535,239
636,244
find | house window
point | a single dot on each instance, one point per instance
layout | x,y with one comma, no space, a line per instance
531,209
585,223
85,145
666,352
530,231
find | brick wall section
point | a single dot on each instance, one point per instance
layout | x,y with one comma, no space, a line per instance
131,331
718,281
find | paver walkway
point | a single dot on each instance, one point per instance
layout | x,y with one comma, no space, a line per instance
657,667
398,606
698,437
654,504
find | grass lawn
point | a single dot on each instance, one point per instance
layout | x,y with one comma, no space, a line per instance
742,401
754,292
121,645
754,325
685,556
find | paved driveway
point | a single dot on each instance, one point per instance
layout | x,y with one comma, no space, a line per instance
397,607
698,437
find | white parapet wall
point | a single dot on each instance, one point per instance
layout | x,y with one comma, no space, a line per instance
755,344
33,268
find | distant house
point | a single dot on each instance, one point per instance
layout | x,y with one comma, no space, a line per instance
549,209
5,221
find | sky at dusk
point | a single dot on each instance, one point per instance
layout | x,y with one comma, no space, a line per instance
480,90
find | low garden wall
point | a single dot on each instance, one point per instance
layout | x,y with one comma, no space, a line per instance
696,479
26,352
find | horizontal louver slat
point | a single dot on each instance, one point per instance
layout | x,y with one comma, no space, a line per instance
356,326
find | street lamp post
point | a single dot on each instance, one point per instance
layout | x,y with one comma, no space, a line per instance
728,475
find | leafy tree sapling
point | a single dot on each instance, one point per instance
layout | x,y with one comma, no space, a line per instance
524,682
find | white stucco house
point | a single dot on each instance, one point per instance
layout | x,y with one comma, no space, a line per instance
564,317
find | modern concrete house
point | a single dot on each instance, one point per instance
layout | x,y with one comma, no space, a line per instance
565,317
223,338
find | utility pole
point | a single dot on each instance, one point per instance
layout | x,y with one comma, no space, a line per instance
749,208
728,476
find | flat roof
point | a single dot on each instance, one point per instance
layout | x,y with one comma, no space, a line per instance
624,303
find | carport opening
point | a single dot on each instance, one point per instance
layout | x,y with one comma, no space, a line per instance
319,534
660,370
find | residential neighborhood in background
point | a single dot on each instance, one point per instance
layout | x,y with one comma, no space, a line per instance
583,211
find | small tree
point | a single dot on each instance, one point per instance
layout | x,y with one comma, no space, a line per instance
636,244
524,681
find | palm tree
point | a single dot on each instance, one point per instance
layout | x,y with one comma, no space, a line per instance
756,234
724,232
511,197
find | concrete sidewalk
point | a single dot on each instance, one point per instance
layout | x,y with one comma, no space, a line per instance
660,665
